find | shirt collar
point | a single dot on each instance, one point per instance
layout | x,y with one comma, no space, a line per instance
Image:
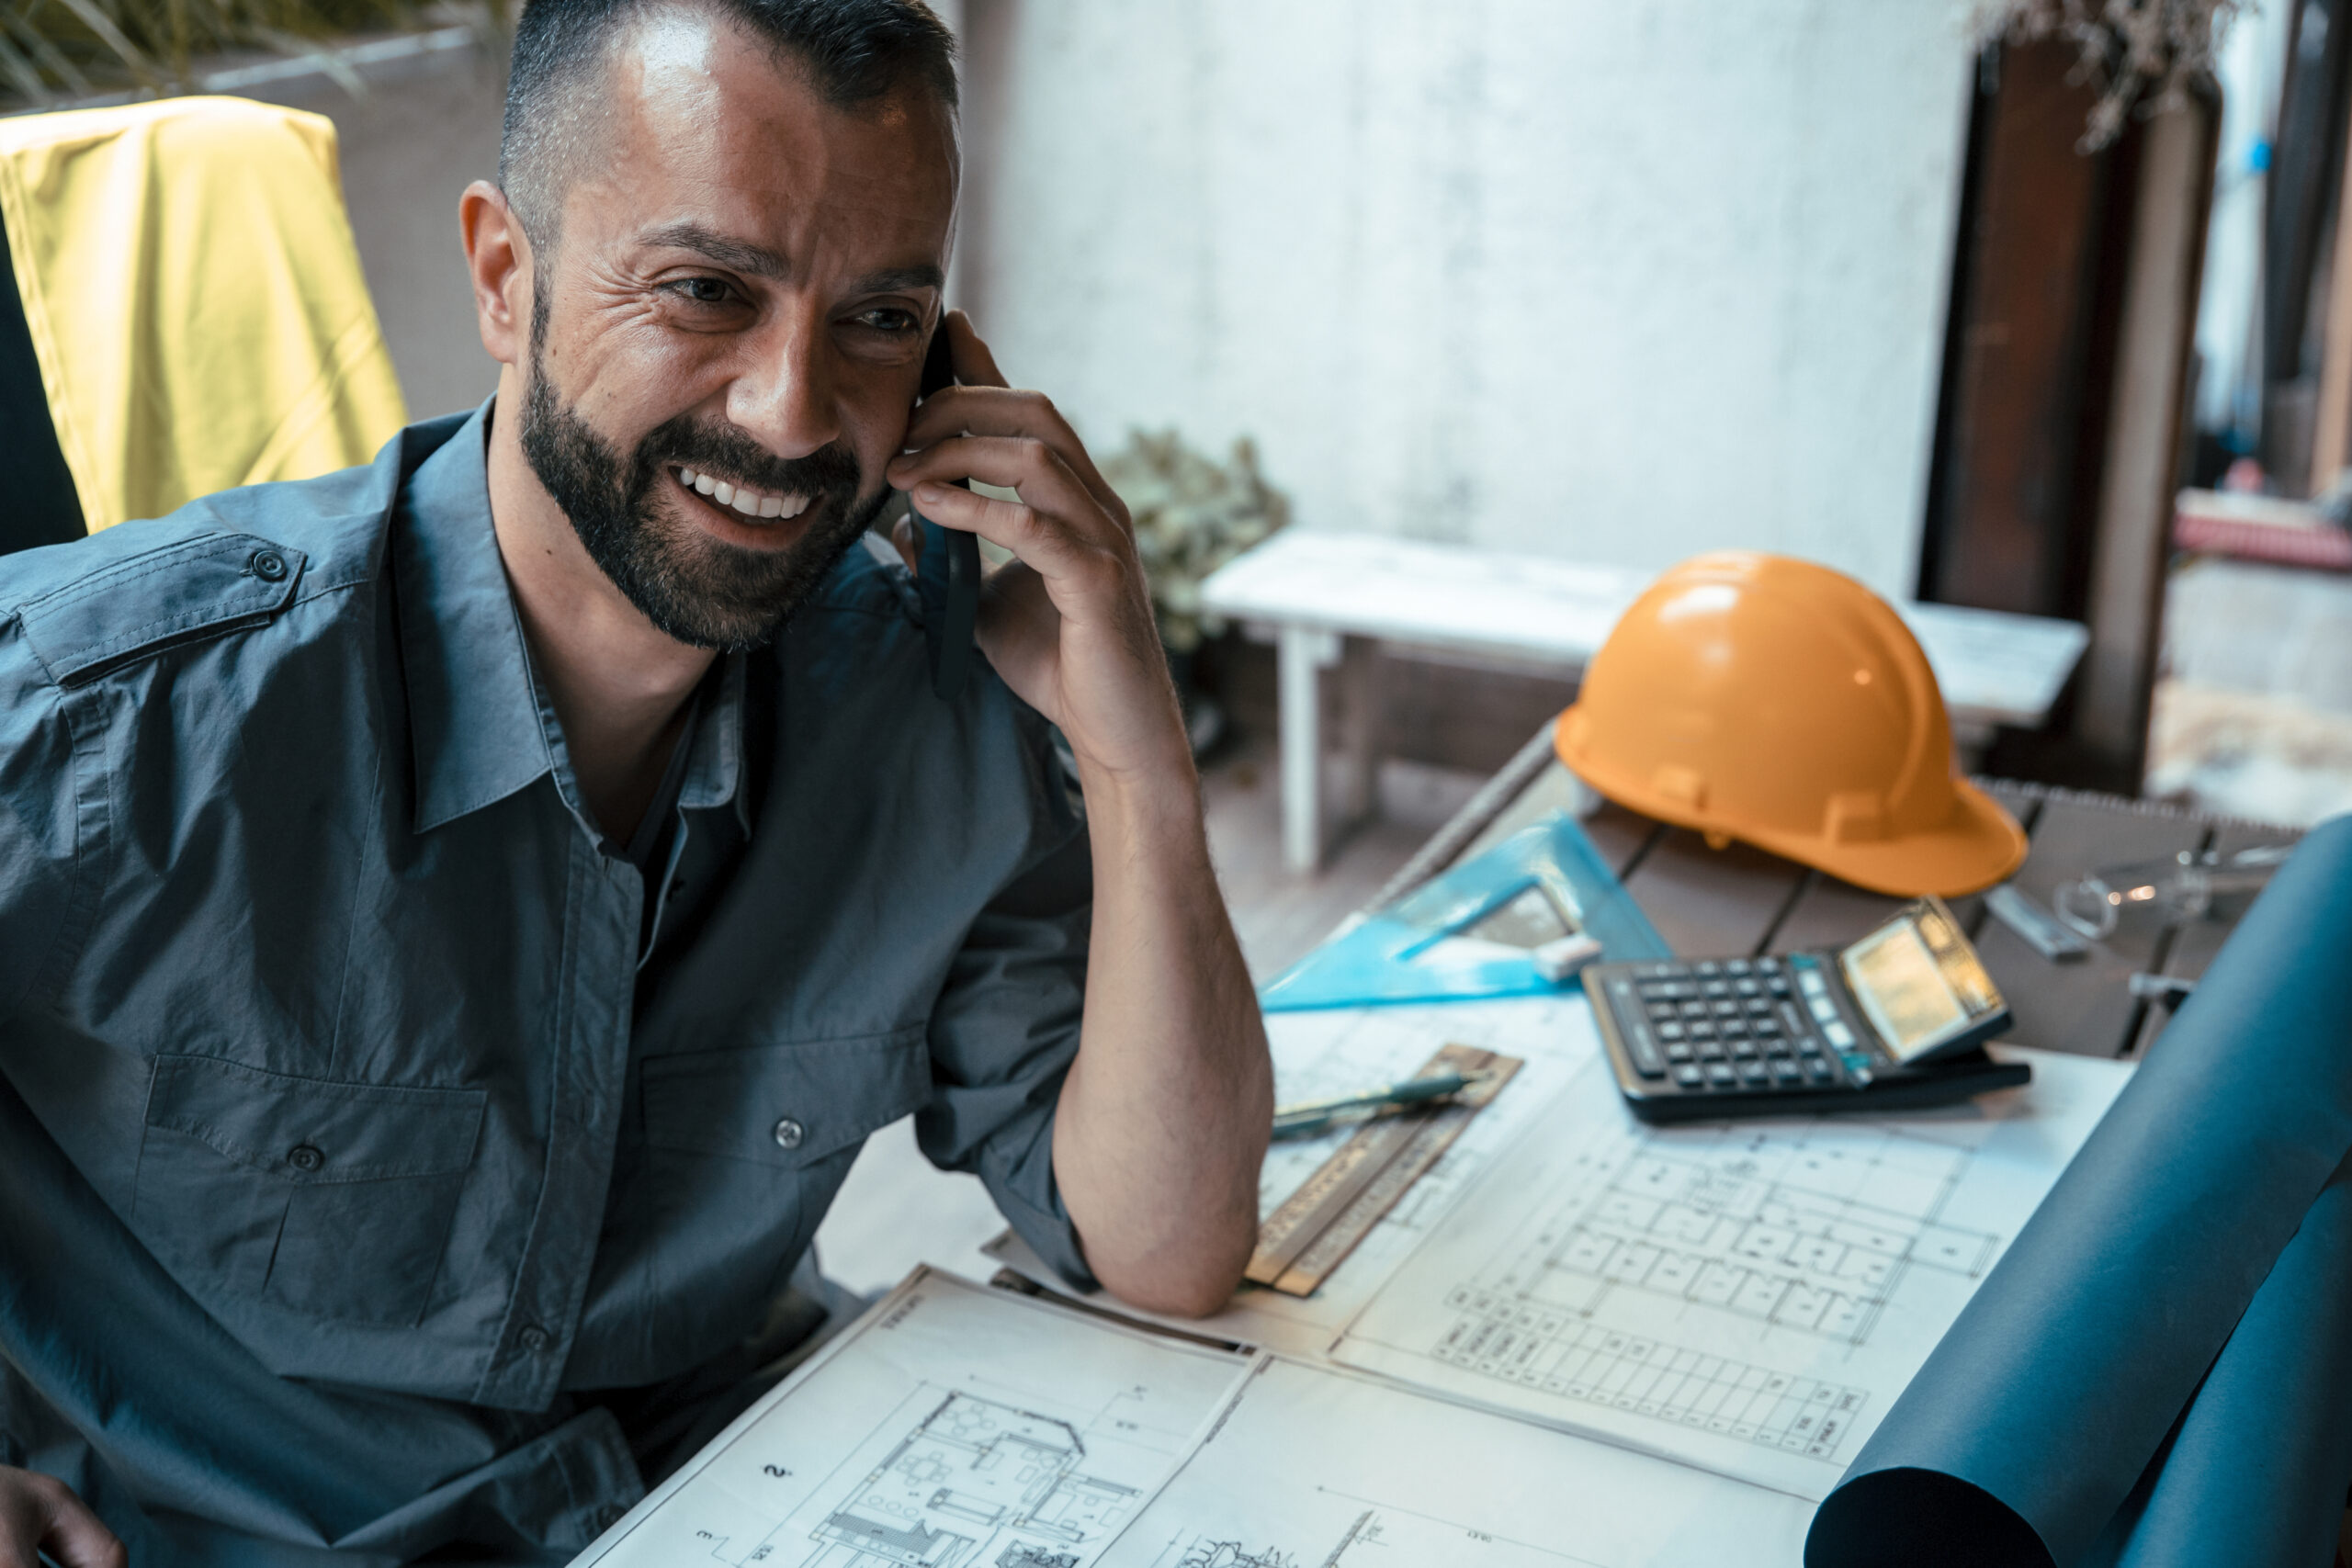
715,770
476,728
481,730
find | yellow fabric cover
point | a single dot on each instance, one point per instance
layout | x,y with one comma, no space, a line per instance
195,298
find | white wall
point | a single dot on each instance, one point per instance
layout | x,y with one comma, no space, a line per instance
1609,279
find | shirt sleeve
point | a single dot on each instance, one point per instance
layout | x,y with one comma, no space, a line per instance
1005,1028
40,915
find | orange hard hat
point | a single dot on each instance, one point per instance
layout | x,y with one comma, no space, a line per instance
1753,697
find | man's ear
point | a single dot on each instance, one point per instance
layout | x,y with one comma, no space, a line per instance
498,255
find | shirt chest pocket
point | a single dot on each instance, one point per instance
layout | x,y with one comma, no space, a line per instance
749,1145
330,1199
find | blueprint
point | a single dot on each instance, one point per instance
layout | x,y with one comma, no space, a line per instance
952,1426
1331,1051
1748,1297
1315,1468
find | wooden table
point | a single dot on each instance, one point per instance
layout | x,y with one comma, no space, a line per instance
1742,901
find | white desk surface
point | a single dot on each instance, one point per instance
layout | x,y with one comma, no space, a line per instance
1994,668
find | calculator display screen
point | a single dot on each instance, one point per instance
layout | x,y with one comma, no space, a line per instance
1918,981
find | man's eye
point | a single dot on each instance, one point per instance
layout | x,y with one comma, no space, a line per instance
704,290
889,318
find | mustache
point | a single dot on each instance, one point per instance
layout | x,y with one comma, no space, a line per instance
727,451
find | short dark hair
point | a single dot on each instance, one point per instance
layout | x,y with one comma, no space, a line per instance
855,52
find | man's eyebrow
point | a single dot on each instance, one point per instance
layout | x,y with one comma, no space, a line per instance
900,280
741,254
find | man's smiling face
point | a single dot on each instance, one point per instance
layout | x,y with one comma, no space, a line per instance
728,325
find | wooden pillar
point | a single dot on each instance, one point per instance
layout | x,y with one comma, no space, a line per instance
2147,407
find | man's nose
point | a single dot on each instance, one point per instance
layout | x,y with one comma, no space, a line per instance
784,398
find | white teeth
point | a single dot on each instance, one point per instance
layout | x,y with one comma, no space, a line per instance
749,502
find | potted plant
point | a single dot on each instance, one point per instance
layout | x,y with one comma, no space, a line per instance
1192,515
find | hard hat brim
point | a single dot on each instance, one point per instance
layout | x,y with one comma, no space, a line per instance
1979,845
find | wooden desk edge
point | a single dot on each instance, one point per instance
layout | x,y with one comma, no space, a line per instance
1496,796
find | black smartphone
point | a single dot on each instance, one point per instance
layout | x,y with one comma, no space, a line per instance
947,578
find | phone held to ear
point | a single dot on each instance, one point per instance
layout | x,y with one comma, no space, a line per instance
947,579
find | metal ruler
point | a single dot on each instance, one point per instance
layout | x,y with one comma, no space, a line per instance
1317,1226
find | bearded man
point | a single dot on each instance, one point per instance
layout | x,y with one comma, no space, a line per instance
460,917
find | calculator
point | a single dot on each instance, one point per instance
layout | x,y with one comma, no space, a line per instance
1897,1020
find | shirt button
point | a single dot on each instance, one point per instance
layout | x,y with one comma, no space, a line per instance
305,1158
269,566
532,1337
789,1132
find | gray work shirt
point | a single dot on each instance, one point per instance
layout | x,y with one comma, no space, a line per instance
356,1115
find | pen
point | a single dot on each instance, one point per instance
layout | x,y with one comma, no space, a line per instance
1315,1115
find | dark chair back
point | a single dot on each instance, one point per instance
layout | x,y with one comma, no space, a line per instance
38,503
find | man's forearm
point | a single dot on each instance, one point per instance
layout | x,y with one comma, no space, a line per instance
1164,1119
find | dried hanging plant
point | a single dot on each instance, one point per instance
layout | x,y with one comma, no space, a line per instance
2135,51
71,47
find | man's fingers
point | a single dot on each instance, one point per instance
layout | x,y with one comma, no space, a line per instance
988,410
1019,415
985,404
1051,552
1005,522
975,365
1008,462
38,1513
77,1539
909,543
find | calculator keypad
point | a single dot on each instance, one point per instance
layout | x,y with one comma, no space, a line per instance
1732,1025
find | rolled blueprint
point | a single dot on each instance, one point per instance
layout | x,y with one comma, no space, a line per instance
2068,1417
2257,1472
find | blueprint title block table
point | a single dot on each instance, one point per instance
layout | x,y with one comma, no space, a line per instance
1740,902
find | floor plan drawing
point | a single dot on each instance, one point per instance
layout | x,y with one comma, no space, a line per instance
952,1426
1231,1554
1371,1540
1745,1295
973,1477
1811,1231
1320,1468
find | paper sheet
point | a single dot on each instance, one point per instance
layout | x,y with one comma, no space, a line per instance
1318,1468
1325,1053
951,1426
1748,1296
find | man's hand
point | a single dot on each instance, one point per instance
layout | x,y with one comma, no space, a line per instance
1067,624
38,1515
1163,1121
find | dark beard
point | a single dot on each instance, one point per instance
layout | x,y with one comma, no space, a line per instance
702,593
